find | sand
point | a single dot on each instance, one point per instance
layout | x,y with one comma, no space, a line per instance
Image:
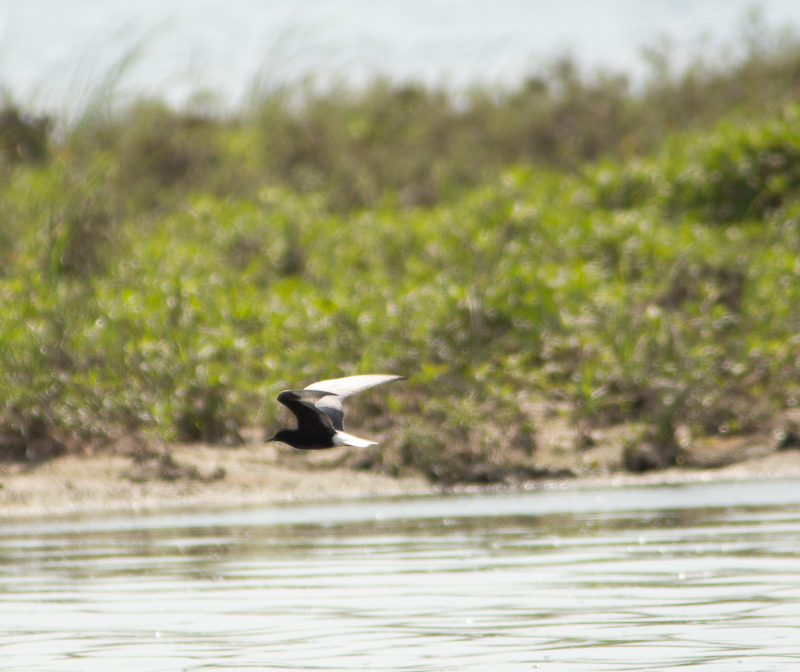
108,482
201,476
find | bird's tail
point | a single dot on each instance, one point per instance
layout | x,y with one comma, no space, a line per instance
342,439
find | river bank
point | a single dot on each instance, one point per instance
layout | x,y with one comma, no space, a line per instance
203,476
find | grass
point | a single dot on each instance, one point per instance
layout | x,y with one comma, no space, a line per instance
166,273
407,142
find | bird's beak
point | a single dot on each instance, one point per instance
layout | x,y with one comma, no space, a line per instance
271,439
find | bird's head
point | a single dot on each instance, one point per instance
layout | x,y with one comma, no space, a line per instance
283,435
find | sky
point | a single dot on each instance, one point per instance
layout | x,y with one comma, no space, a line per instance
53,52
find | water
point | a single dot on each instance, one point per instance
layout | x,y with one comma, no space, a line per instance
51,52
582,579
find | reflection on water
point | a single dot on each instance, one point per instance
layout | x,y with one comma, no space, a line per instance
636,579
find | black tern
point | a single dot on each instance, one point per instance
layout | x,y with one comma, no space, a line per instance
319,412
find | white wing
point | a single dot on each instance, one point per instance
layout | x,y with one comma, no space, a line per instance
344,387
331,405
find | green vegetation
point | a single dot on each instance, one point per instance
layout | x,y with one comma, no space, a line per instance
405,142
169,273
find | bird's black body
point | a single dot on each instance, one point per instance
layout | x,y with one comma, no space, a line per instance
319,412
315,430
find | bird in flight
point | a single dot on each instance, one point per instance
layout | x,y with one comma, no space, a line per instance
319,412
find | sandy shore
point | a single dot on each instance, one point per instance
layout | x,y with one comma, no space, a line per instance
253,474
213,477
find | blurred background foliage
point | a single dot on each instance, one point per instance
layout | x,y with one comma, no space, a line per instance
622,255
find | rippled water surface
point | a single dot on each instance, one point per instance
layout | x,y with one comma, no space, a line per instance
578,579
